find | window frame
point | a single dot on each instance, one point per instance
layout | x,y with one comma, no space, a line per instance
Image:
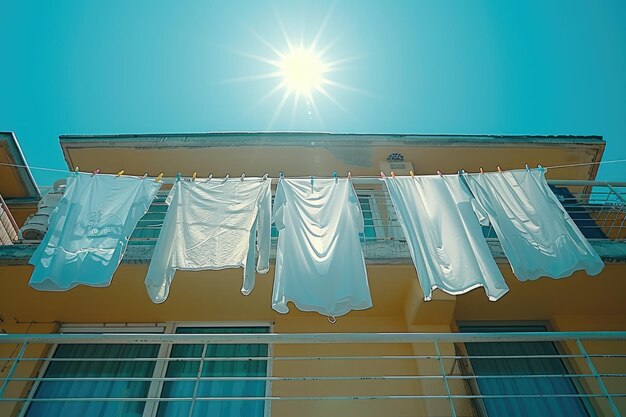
160,368
466,364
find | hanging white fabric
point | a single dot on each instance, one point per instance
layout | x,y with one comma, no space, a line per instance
439,219
537,235
212,225
89,230
319,258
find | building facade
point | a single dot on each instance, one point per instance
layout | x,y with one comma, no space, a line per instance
548,347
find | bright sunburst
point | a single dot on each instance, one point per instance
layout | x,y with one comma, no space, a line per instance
303,73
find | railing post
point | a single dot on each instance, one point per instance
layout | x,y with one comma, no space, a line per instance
594,371
13,368
198,376
445,379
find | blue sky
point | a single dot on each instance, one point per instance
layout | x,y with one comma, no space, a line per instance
465,66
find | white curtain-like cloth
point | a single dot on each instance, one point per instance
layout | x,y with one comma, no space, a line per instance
439,218
212,225
89,230
319,259
537,235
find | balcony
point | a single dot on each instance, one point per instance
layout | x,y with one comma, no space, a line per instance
149,373
598,208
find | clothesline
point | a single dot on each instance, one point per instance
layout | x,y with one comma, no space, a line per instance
369,177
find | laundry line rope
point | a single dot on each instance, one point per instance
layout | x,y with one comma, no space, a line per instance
615,161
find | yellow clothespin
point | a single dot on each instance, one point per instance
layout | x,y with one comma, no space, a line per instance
411,173
159,177
119,173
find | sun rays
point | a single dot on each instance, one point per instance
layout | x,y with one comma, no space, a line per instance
302,72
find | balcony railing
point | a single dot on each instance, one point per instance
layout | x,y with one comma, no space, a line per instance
598,209
330,374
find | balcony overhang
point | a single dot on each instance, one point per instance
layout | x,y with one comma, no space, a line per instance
303,153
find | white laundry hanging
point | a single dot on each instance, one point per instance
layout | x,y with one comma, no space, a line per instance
319,260
212,225
439,219
89,230
537,235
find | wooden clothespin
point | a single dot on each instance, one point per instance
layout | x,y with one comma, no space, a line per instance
158,178
97,171
393,174
499,169
349,175
382,175
243,176
194,175
481,170
411,173
119,173
439,173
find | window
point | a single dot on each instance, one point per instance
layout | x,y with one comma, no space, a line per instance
523,366
97,372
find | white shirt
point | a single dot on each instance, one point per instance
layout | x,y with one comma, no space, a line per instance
319,259
89,230
439,219
212,225
537,235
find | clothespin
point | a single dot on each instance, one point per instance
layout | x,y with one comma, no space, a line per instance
265,176
349,175
209,177
481,170
226,177
97,171
145,175
312,181
461,171
178,176
439,173
526,166
499,169
335,175
382,175
76,169
243,176
393,174
411,173
542,168
194,175
281,175
119,173
159,177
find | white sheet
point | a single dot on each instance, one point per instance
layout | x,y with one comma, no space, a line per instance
438,217
537,235
212,225
319,260
89,230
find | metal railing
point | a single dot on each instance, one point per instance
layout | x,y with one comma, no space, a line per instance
598,209
370,374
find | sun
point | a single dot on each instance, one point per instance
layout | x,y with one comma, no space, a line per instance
303,74
303,71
